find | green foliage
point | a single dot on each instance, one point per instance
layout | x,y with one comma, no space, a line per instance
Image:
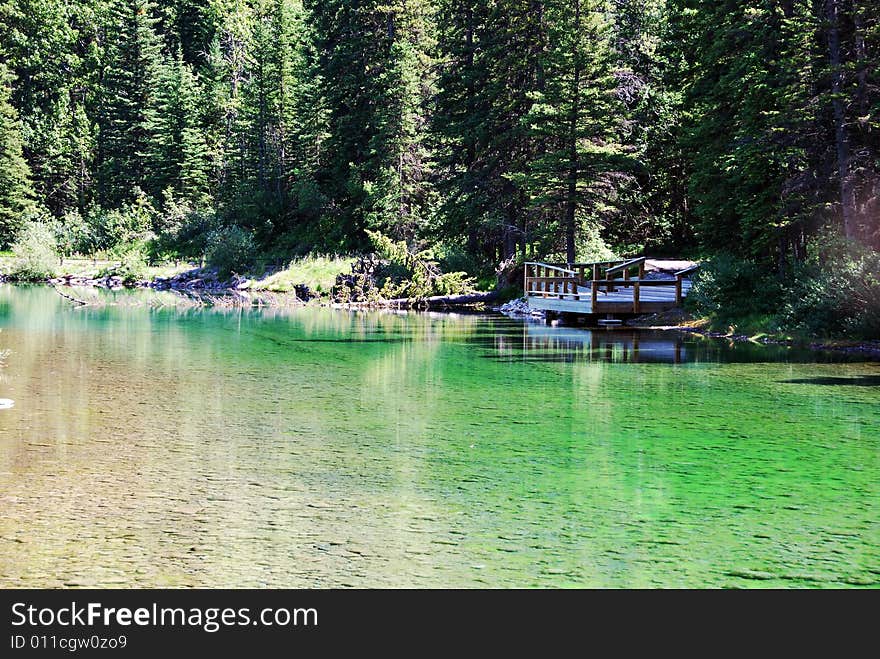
132,265
183,230
575,120
415,275
129,105
559,129
837,296
73,234
15,186
178,153
727,288
316,271
836,292
36,254
232,250
110,228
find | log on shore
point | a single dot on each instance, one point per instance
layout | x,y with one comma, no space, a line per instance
443,301
464,300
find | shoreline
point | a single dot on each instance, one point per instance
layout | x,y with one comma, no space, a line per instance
201,287
863,348
680,321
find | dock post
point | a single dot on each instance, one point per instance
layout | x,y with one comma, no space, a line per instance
678,290
636,304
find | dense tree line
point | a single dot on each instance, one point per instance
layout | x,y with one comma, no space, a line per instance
492,130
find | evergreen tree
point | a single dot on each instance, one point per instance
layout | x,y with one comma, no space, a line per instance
492,66
575,117
398,201
16,193
652,210
372,54
491,126
265,97
306,128
129,95
178,157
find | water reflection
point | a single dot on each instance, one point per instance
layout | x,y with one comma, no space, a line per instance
154,445
542,343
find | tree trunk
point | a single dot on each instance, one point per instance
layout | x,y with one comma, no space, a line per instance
841,136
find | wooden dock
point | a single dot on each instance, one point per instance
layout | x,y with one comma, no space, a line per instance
609,288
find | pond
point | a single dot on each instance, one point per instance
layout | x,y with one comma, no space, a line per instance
149,445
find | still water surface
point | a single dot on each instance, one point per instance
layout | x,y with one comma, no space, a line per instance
318,448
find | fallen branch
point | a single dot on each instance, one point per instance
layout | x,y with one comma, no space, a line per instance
445,301
70,297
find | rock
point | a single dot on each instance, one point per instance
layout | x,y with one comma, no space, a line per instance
519,307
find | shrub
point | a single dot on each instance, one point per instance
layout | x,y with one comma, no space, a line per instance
414,274
132,266
727,288
73,235
186,233
841,300
591,247
231,250
36,253
109,228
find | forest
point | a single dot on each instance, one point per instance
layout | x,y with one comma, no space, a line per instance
483,133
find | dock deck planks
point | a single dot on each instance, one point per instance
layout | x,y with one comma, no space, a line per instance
567,289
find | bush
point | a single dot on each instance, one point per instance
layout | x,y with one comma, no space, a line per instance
727,288
109,228
36,253
231,250
186,233
841,301
132,266
73,235
415,275
835,292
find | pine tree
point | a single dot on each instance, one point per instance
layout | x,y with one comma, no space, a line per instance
575,116
491,67
306,127
178,157
265,99
372,172
129,95
226,76
398,201
16,193
652,207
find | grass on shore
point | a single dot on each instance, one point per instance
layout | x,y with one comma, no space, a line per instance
80,266
318,272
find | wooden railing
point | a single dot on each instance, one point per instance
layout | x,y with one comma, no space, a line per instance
611,285
552,280
589,271
545,279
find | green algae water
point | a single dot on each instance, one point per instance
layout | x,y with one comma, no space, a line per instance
168,447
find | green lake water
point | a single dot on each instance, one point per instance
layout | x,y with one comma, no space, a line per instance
160,446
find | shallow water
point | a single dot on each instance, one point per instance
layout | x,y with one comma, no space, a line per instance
307,448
